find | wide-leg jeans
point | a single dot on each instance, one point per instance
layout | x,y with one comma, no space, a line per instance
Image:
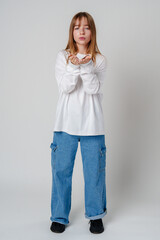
63,152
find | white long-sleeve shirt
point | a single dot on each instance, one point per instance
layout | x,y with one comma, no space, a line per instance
79,108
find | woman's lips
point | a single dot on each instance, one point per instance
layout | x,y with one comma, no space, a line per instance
81,38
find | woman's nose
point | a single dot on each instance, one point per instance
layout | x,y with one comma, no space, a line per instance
81,30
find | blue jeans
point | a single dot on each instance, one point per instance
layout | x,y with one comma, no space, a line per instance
63,152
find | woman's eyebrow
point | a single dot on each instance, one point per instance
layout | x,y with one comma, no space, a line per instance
79,25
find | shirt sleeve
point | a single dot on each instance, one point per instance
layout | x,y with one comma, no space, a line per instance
93,78
66,74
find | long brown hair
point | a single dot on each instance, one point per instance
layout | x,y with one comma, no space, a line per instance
92,47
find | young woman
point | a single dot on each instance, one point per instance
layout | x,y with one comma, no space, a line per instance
80,71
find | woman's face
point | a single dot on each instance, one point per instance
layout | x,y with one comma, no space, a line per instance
82,30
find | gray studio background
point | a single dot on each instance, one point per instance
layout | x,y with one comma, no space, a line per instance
32,32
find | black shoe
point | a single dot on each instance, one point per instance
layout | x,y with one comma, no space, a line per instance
57,227
96,226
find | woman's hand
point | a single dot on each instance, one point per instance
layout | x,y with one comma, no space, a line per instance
86,59
75,60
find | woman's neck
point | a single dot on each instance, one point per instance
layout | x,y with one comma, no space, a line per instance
82,49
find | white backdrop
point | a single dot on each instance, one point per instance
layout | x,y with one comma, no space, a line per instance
32,32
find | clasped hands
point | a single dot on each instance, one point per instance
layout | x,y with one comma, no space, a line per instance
75,60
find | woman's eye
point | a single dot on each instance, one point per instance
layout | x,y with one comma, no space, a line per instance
77,28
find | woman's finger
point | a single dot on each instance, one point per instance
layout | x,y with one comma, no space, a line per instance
85,60
74,60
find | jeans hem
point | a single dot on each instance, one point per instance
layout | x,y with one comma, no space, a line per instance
97,216
66,223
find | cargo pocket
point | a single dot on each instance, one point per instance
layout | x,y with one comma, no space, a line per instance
102,159
53,147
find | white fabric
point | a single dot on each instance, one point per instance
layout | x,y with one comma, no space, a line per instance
79,108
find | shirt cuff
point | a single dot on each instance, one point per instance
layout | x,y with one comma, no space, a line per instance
87,67
73,65
72,68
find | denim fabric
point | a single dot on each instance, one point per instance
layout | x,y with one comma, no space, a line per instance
63,152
